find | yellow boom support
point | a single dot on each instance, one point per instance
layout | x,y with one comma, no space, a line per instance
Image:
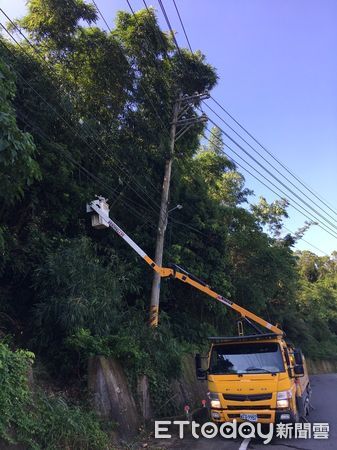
96,206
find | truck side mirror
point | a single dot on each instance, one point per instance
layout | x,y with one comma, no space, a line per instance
201,374
299,370
298,356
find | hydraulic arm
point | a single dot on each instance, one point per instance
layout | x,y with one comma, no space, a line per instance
103,220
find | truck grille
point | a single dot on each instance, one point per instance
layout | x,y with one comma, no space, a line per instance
247,398
259,416
250,407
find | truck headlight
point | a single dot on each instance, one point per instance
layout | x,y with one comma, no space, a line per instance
282,403
283,398
215,400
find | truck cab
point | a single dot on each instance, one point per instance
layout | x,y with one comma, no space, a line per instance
258,378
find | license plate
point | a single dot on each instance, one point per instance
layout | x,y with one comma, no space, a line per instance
249,417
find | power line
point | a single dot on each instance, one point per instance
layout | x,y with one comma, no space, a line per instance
99,11
326,220
307,242
167,20
37,51
246,152
274,157
274,176
252,137
39,132
130,176
182,25
186,225
268,187
141,87
273,184
67,123
48,65
268,162
170,27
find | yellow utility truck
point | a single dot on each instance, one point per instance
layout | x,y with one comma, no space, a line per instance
258,378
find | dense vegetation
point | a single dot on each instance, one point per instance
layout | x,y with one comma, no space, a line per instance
41,421
86,112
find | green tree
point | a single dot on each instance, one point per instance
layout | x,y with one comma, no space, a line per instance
308,266
54,22
271,214
18,165
76,291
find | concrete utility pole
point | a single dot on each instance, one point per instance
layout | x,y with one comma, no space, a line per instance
180,124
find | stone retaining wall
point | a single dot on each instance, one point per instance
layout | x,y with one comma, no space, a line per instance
317,366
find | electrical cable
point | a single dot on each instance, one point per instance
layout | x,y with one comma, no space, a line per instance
326,220
39,132
34,48
274,157
177,45
238,145
248,133
78,134
307,242
274,176
182,26
45,62
141,86
269,181
99,11
268,162
170,27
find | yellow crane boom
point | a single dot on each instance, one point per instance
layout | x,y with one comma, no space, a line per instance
101,219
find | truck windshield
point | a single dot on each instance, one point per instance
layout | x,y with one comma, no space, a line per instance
255,357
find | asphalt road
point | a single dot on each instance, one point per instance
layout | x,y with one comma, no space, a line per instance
324,401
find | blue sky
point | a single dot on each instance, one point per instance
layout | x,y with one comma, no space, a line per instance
277,68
